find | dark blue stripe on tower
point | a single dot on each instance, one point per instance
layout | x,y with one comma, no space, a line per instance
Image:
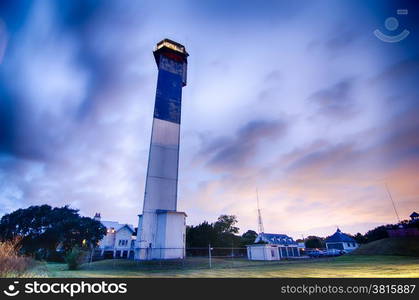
168,97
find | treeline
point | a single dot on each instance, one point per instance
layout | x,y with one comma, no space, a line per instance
42,230
378,233
381,232
222,233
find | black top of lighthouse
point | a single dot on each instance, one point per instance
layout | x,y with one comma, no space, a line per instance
170,49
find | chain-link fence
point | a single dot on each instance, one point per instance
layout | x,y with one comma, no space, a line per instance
203,258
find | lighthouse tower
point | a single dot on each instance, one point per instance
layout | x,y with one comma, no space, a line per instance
161,229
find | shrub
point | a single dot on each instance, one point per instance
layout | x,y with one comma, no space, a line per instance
55,256
11,263
75,258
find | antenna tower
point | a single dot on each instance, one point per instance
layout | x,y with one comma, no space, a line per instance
260,223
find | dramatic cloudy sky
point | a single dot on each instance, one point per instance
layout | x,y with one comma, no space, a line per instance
297,98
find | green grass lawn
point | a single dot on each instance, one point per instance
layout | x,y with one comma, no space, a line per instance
344,266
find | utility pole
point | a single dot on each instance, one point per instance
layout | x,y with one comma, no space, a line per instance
392,201
209,255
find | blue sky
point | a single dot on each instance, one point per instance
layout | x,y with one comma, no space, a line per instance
298,99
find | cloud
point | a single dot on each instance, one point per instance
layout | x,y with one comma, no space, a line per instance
236,152
326,162
68,127
36,122
342,182
399,81
335,101
77,85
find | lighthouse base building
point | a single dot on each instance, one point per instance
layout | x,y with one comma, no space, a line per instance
170,237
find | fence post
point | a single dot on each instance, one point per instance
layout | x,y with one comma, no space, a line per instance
91,255
232,254
184,256
209,255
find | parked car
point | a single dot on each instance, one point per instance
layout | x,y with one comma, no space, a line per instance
334,252
316,253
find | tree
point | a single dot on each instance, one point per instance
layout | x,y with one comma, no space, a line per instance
378,233
225,224
359,238
249,237
218,234
314,242
43,229
75,258
201,235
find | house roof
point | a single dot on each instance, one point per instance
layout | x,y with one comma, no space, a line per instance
414,215
339,237
117,226
274,238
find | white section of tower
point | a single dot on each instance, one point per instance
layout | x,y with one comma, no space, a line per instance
161,228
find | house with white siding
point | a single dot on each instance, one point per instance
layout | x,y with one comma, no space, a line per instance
270,246
341,241
119,239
